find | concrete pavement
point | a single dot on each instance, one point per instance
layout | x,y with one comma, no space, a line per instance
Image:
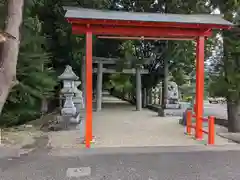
166,153
12,151
120,125
6,151
147,165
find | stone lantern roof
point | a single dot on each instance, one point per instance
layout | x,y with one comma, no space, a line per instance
68,74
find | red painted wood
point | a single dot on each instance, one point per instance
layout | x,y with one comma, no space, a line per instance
211,130
189,122
204,131
105,22
199,86
147,38
140,31
88,89
205,119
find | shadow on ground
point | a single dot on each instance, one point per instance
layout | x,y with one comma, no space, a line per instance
234,137
110,105
221,122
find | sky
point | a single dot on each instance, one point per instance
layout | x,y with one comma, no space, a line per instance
208,62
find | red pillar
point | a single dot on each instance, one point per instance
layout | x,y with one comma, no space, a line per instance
88,89
199,85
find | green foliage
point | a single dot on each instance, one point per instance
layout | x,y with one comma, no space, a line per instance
180,54
36,78
188,98
226,77
3,8
120,83
48,45
57,32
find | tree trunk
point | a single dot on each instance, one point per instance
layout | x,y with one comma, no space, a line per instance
9,54
233,110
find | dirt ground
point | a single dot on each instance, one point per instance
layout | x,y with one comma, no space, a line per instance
25,135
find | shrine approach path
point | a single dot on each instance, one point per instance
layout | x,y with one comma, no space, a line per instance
118,124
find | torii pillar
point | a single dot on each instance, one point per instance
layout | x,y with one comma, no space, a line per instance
199,86
99,87
138,89
88,89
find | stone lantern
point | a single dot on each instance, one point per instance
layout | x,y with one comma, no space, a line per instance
78,97
78,103
68,77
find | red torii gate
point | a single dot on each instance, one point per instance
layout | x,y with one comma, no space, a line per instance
133,25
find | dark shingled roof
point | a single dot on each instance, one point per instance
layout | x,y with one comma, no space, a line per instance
82,13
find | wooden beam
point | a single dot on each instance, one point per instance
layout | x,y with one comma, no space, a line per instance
140,31
111,22
147,38
124,71
105,60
